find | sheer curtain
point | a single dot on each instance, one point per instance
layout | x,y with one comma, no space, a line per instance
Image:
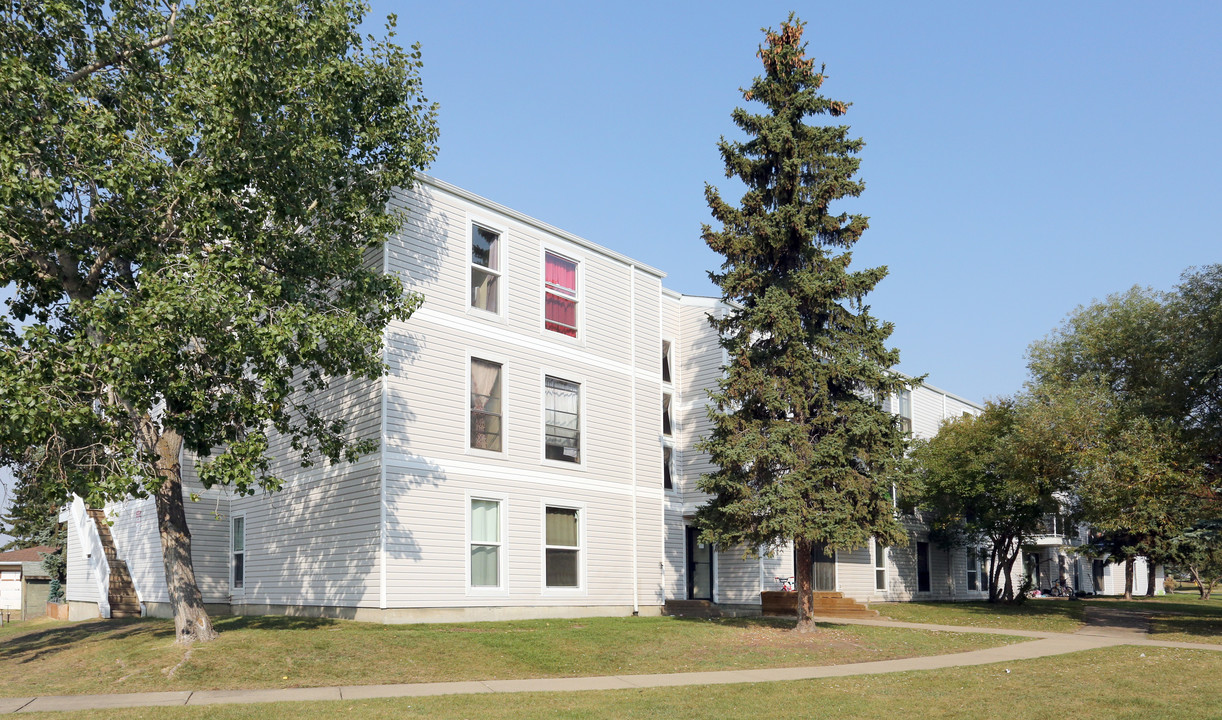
485,405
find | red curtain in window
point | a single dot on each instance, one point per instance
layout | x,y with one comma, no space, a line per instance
561,311
561,273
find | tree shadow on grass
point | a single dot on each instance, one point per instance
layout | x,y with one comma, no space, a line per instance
744,622
229,623
34,646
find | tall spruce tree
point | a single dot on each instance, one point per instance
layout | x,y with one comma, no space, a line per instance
804,451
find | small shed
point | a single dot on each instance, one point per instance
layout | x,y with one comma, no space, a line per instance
24,585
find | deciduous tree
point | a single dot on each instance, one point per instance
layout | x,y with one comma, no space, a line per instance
188,199
987,482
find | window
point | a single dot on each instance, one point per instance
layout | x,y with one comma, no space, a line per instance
668,468
666,427
562,414
485,269
666,361
238,539
485,405
923,567
973,570
905,410
485,543
562,547
560,301
1096,576
880,566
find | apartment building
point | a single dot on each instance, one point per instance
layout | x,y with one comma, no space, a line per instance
537,457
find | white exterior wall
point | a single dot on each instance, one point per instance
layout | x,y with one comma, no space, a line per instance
431,472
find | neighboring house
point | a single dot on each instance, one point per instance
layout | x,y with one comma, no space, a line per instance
537,456
24,585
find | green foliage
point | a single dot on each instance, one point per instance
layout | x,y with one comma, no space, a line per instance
33,512
1199,552
189,203
988,482
803,450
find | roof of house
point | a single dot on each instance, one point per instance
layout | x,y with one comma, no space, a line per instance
26,554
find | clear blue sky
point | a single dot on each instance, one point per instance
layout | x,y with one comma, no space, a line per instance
1020,159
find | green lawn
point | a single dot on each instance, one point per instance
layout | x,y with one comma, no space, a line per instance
269,652
1118,683
1183,617
1050,615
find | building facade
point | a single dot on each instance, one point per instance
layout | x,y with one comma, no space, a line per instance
537,458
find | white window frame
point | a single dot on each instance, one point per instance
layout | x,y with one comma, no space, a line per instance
899,409
235,590
880,553
580,298
504,451
668,354
973,568
582,522
928,564
582,392
668,410
502,589
502,274
673,464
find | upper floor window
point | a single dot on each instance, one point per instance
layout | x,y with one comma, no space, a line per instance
560,300
666,361
905,410
485,405
485,269
666,424
562,409
668,467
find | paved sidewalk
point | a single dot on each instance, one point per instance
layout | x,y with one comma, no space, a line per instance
1042,644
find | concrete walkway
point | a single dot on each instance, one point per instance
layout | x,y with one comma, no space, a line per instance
1042,644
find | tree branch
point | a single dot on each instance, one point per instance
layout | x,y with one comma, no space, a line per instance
125,54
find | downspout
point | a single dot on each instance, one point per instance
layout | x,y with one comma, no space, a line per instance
382,455
636,594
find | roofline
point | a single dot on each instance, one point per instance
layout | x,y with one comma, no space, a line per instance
539,224
949,394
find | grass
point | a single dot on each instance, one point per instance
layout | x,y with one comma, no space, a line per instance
1117,683
55,658
1051,615
1182,617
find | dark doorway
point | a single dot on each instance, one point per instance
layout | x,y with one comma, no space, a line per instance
923,567
699,567
1096,576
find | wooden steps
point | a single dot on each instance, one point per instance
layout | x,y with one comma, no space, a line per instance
826,604
691,609
121,592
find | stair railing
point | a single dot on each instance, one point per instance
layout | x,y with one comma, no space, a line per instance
95,554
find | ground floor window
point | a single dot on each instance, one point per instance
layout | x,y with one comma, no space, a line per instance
562,547
1097,575
238,554
485,543
923,583
973,570
880,566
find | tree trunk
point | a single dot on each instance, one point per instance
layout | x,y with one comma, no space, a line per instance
803,553
1128,578
994,575
1008,569
1196,577
1150,577
191,622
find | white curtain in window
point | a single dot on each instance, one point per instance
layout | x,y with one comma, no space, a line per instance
485,528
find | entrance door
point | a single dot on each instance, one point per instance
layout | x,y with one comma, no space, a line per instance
699,567
825,569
